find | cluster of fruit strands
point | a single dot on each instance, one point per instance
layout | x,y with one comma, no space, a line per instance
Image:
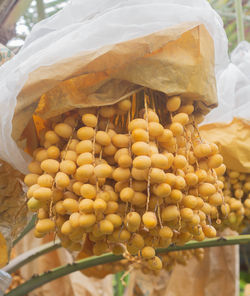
118,177
169,261
236,209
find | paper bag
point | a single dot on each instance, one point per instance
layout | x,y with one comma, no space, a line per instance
13,209
96,52
233,140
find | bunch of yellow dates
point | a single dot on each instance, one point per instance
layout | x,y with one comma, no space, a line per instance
236,208
129,177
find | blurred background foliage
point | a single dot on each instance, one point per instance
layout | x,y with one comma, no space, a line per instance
40,9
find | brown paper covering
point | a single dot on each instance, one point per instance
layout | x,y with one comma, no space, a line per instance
178,60
13,209
233,140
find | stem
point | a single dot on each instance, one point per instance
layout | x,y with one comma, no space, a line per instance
37,281
239,20
207,243
26,230
30,255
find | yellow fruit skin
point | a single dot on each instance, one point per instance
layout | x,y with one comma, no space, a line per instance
45,225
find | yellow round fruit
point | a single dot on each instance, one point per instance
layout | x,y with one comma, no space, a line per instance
34,204
85,133
215,161
170,179
87,220
155,263
202,150
50,166
173,103
71,205
216,199
124,105
162,190
35,168
125,161
180,161
109,150
45,180
45,225
51,137
63,130
115,219
41,155
149,220
84,146
106,227
139,199
103,138
170,213
121,174
140,135
85,171
120,141
166,232
177,129
89,120
127,194
176,195
137,123
151,116
188,109
88,191
155,129
159,161
100,205
142,162
209,231
166,136
42,194
53,152
181,118
186,214
84,158
86,206
157,175
31,179
191,179
62,180
68,167
148,252
103,170
206,189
